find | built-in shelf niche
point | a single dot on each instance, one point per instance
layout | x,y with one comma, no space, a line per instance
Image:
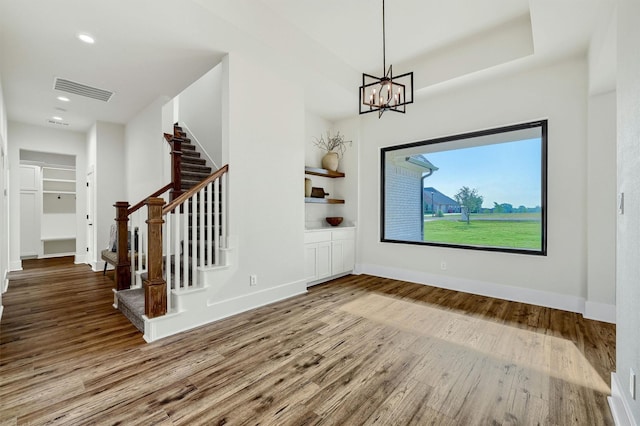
58,225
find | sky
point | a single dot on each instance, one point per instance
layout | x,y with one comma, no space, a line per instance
502,173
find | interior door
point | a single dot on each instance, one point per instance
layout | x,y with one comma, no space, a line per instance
91,237
30,211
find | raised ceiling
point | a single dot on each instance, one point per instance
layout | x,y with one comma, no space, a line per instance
148,49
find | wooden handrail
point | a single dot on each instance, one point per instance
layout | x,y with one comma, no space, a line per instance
185,196
139,205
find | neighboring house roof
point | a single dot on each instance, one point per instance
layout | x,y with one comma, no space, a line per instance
438,197
421,160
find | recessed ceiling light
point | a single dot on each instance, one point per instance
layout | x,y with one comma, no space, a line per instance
86,38
57,118
63,99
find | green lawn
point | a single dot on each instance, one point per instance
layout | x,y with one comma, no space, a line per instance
523,234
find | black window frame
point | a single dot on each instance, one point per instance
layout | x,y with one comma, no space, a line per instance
542,124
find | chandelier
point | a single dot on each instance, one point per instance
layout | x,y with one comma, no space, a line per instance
388,93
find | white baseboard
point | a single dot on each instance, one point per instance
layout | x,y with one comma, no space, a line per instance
174,323
548,299
1,311
82,258
620,410
98,266
15,265
600,311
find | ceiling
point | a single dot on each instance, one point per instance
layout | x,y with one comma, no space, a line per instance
148,49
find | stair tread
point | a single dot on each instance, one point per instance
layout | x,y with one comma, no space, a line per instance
197,168
131,304
191,176
193,160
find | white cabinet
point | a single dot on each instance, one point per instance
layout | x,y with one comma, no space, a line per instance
328,253
317,260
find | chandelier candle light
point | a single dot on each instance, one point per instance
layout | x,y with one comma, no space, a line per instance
386,93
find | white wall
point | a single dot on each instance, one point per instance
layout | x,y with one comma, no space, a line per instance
557,92
4,202
109,180
144,152
266,207
628,234
601,206
200,114
44,139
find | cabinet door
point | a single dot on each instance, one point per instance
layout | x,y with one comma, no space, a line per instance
323,260
337,257
29,224
310,262
342,256
29,178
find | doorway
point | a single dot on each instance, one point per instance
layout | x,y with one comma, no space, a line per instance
47,204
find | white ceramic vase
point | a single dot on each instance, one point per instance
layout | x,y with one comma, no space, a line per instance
330,161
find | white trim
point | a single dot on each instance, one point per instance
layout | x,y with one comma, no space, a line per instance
80,259
604,312
94,266
1,311
564,302
5,282
174,323
620,410
15,265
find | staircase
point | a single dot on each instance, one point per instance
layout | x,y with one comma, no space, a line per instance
192,171
193,168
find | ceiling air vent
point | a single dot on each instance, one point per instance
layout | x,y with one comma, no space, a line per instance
82,89
58,123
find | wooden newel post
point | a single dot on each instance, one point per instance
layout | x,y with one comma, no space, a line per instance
176,160
123,268
155,287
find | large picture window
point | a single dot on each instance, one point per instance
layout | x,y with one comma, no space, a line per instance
484,190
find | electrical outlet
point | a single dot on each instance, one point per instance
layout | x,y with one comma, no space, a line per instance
632,383
443,265
253,280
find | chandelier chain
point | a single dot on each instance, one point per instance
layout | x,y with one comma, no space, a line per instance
384,48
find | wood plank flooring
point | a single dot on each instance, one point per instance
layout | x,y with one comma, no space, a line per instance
357,350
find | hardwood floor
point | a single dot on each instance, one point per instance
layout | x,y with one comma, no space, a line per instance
358,350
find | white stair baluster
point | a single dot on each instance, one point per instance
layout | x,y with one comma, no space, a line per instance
176,249
223,210
194,240
216,219
201,197
185,246
167,260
